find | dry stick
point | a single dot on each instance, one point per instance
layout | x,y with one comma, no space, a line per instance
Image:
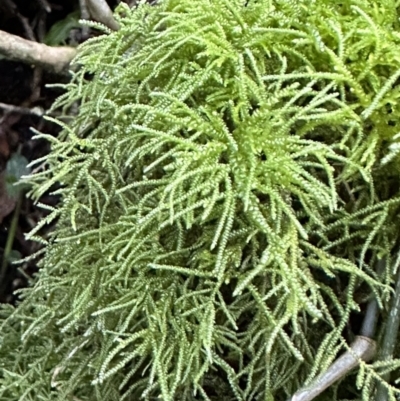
45,5
35,111
38,71
100,11
84,15
390,337
27,28
369,324
55,59
363,348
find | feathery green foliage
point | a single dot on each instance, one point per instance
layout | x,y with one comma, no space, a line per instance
227,185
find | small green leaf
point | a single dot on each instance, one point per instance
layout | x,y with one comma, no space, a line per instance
59,32
14,256
17,166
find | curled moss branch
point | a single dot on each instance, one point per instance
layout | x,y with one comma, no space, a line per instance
205,242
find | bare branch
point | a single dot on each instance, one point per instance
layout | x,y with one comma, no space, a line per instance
84,15
368,327
45,5
55,59
362,348
36,111
390,337
101,12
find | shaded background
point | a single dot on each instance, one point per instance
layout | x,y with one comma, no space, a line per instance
23,95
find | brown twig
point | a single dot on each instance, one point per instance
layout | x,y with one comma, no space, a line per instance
38,72
27,28
84,15
55,59
101,12
45,5
35,111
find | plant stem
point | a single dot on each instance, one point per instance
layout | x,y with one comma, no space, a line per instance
390,338
363,348
100,11
368,327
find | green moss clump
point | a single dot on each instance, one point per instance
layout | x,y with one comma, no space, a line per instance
226,187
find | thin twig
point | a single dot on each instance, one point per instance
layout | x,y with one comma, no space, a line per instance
27,28
35,111
390,338
55,59
45,5
10,5
41,26
101,12
363,348
84,15
38,71
368,327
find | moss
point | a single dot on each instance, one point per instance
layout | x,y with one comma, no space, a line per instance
223,201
